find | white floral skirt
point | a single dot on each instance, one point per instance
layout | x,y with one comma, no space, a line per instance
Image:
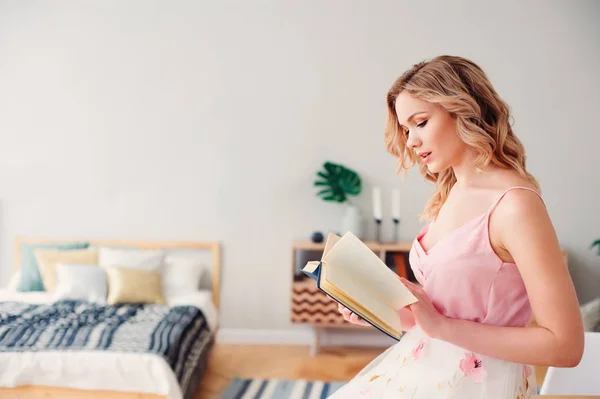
426,368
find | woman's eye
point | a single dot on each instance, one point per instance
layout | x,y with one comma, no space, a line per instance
422,124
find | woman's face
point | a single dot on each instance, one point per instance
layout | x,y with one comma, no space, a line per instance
431,133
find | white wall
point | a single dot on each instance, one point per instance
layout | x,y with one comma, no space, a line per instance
208,120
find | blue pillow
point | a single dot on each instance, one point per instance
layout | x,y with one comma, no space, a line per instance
31,279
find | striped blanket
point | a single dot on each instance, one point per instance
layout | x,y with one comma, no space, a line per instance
179,334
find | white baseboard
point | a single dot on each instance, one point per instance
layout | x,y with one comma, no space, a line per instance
263,337
345,337
303,336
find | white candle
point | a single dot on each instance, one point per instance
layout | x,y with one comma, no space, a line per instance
396,204
377,212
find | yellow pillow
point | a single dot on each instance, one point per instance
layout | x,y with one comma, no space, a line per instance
48,258
127,285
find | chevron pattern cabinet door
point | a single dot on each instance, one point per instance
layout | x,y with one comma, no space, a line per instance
311,306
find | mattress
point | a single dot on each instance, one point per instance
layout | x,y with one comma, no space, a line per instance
101,365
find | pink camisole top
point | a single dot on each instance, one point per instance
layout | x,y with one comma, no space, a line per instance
465,279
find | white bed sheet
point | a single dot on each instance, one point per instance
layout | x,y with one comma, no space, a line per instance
128,372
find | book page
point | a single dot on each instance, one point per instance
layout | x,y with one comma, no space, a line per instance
311,266
352,266
357,293
332,239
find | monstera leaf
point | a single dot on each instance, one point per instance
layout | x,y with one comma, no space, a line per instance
596,244
338,181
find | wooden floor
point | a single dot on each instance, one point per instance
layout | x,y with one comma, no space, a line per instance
285,362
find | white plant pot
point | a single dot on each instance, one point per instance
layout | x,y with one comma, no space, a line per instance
352,221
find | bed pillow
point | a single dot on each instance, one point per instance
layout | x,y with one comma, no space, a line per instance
130,285
181,274
80,282
48,258
13,283
145,259
30,279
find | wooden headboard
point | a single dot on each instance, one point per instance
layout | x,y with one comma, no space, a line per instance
214,271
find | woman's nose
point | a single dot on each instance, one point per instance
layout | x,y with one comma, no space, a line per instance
413,141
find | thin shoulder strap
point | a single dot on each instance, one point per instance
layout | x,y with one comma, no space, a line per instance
509,189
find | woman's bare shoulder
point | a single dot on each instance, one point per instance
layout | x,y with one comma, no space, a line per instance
506,179
516,209
517,203
500,185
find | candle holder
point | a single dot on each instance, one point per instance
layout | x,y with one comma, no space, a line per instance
377,230
396,225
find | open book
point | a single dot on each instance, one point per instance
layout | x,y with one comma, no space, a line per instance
353,275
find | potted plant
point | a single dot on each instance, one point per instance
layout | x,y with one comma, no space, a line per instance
596,244
337,184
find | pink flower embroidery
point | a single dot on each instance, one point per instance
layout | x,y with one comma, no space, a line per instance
473,367
417,351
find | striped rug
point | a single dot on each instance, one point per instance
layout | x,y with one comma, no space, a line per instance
242,388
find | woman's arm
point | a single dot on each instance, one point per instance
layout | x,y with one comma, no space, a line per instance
526,232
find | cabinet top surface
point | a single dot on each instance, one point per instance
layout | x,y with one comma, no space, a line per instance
305,243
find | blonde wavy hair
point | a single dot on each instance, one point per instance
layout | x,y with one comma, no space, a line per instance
482,120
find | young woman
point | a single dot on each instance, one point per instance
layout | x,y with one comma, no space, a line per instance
488,261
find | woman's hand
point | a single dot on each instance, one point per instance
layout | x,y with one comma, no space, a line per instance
351,317
407,320
425,314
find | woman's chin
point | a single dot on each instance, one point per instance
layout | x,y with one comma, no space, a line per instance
433,168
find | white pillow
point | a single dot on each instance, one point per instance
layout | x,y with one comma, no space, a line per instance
14,281
182,274
80,282
145,259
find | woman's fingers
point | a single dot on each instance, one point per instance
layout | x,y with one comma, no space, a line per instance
356,319
408,282
407,320
415,289
345,312
350,316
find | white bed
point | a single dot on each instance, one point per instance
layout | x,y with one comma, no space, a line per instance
108,374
